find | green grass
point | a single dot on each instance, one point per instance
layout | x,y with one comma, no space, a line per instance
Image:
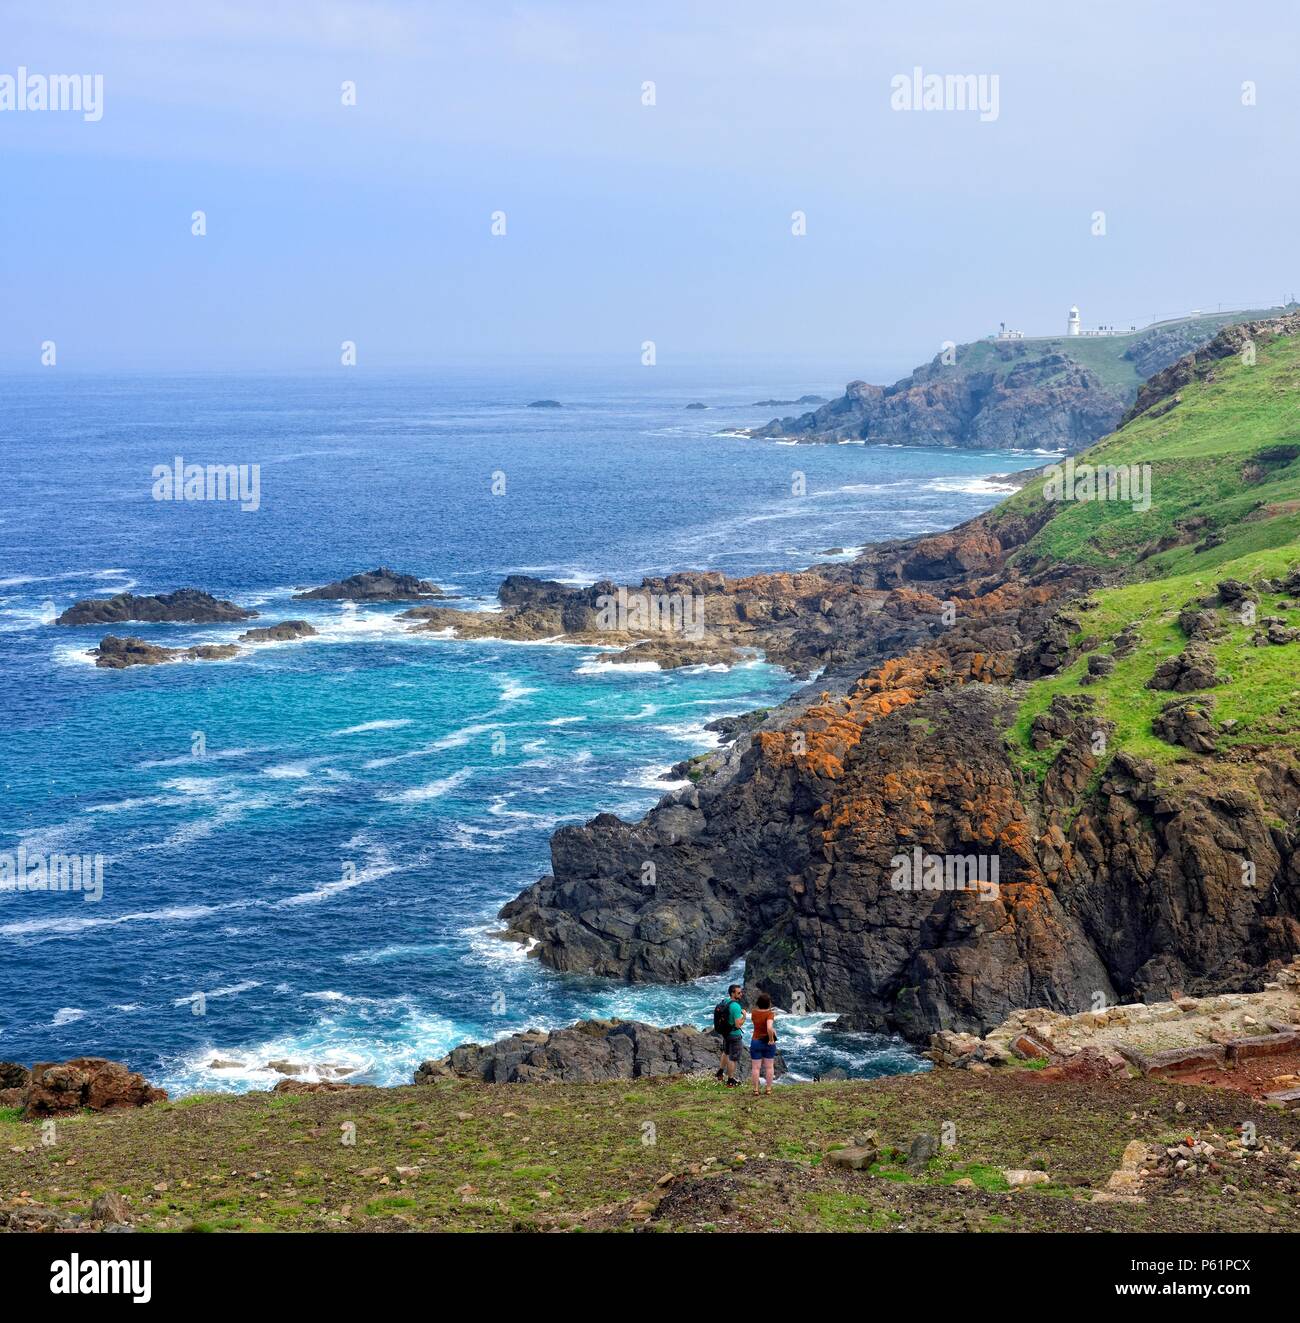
1205,457
1263,697
1200,453
458,1155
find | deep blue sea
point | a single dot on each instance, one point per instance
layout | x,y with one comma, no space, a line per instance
308,844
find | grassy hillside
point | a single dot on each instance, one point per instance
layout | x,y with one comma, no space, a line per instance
1225,489
467,1156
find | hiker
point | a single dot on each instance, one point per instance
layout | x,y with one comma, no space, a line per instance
728,1016
762,1047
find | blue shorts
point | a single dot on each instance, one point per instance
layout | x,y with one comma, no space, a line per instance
761,1050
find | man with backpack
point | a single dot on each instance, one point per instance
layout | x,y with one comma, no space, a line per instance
728,1016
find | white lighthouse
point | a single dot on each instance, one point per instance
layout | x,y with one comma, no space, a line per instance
1072,325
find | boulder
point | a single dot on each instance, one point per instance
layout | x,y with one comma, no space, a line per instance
91,1082
854,1158
1186,722
1194,668
923,1148
111,1208
116,653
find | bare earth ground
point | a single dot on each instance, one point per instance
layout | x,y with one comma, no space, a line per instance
661,1154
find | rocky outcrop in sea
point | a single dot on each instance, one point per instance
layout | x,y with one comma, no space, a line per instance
185,605
379,585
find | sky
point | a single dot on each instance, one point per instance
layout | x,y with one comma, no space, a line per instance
628,222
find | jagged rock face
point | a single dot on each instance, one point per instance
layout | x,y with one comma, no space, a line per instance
1047,400
1160,888
791,854
926,780
185,605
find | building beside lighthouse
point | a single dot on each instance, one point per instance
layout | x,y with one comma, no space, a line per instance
1072,326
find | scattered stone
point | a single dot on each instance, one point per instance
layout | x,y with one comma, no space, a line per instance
855,1158
923,1148
1018,1178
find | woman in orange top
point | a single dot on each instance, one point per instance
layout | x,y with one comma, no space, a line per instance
762,1047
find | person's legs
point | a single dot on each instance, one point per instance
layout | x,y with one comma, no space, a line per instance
769,1069
755,1062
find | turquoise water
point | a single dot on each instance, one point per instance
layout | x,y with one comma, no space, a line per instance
304,848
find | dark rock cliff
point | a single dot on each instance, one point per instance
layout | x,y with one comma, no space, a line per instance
787,849
1029,401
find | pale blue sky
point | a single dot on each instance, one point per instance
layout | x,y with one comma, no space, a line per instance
626,222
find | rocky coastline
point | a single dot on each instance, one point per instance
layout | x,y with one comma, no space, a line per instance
1118,879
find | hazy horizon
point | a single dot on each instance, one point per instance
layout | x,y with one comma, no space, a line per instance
627,222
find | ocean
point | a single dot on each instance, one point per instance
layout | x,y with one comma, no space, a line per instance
303,848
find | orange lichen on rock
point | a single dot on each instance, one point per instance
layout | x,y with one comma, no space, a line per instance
821,737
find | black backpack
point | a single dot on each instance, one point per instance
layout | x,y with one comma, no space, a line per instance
722,1018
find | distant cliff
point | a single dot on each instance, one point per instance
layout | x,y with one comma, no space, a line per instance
1057,394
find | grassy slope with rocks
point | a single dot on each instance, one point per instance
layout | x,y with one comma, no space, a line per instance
457,1155
1223,474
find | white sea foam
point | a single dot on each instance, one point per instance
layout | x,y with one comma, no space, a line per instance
388,723
68,926
971,486
433,790
371,873
594,667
